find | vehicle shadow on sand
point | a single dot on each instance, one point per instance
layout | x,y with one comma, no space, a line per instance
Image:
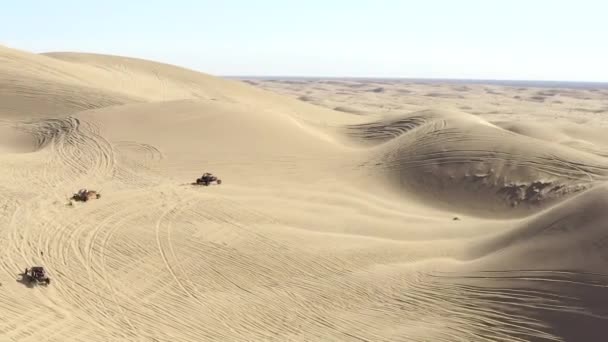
25,280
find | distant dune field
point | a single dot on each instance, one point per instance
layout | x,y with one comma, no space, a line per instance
348,210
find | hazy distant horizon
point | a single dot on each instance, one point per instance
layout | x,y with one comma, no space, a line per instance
467,39
513,83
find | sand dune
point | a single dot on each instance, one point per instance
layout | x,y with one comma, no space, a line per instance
353,215
554,260
447,156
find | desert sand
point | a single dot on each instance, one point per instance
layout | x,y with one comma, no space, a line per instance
348,210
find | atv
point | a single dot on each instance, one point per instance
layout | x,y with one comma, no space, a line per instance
208,179
38,275
84,195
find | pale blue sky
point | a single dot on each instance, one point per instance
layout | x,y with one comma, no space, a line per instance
483,39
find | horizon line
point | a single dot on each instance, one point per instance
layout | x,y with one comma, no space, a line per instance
603,83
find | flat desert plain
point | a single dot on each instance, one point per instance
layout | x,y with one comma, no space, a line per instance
348,210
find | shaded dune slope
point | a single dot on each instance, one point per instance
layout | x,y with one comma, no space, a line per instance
578,225
464,163
549,267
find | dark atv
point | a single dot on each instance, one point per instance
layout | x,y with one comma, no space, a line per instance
84,195
38,275
208,179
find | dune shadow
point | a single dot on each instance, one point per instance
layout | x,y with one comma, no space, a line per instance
569,305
